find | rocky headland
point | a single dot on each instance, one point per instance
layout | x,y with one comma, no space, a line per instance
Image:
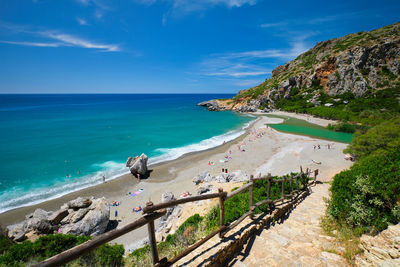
357,64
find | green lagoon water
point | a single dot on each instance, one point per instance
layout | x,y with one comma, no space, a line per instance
302,127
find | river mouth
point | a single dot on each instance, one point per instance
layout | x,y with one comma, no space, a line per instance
302,127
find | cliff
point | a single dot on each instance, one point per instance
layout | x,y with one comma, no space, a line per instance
354,66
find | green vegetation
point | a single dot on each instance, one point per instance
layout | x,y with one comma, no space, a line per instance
196,226
27,252
366,198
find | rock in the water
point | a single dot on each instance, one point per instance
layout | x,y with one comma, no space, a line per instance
212,105
137,165
80,202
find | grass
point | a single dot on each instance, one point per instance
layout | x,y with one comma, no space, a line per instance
347,238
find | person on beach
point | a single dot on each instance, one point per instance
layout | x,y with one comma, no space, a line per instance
104,179
138,176
116,213
314,147
319,147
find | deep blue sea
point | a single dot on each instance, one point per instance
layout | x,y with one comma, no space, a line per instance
55,144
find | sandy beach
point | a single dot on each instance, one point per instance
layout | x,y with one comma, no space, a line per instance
270,152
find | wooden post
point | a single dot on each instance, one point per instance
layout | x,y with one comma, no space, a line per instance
315,176
152,238
283,188
301,169
291,185
269,188
297,182
221,212
251,194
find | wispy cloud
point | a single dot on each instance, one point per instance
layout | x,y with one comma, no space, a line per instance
183,7
248,68
70,40
100,6
312,20
272,25
32,44
81,21
48,37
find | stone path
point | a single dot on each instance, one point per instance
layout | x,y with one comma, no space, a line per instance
298,241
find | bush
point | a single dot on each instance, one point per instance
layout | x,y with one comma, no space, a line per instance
368,194
108,255
383,137
50,245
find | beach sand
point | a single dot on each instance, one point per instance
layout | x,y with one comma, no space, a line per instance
274,152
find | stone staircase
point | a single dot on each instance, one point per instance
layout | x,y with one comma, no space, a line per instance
297,241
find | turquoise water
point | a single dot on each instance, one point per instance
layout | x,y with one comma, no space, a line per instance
296,126
55,144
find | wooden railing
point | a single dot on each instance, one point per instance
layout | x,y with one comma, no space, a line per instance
152,212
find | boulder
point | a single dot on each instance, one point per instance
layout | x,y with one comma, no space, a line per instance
138,165
212,105
81,216
205,189
93,223
16,230
56,217
239,176
202,177
80,202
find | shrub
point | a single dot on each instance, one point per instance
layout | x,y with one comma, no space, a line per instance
385,136
50,245
108,255
368,194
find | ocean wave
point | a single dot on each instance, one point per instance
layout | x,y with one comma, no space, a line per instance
174,153
17,197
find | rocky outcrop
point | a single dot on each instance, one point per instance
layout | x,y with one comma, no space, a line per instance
381,250
212,105
354,64
137,165
81,216
235,177
165,223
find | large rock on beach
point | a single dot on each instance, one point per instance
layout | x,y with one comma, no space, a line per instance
80,202
81,216
137,165
91,221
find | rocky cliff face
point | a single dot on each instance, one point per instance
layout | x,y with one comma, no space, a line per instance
353,64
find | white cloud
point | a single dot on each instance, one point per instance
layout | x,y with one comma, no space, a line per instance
81,21
272,25
32,44
248,68
70,40
62,39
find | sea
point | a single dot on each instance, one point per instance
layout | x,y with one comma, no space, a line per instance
52,145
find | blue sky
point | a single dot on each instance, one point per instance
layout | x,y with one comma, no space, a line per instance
166,46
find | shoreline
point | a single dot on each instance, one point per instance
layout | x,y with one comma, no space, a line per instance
160,173
274,151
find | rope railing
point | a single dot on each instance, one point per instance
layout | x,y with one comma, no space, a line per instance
154,211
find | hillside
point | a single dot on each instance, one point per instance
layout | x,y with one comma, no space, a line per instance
354,73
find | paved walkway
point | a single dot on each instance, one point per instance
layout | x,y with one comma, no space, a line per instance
298,241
